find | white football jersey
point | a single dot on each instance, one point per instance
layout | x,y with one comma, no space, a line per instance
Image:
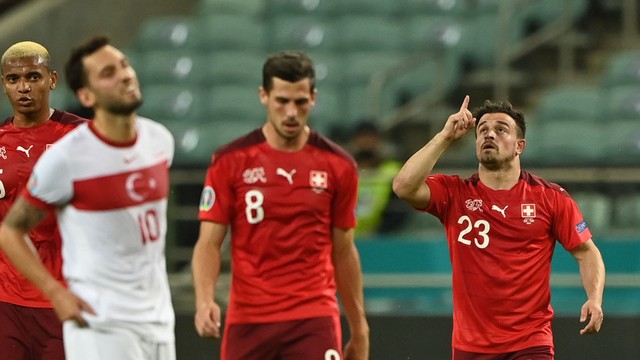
111,202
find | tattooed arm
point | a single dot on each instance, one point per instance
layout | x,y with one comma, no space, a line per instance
23,217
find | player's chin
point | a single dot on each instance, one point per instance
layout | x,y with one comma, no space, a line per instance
291,130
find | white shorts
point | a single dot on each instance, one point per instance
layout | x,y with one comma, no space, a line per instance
112,343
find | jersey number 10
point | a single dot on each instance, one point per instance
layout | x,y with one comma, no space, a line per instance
149,226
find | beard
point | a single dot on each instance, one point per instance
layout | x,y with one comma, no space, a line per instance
123,108
493,162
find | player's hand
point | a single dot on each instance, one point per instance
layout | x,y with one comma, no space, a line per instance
357,348
68,306
458,124
207,320
593,312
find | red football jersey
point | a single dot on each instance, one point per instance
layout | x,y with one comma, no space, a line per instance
281,207
501,243
20,148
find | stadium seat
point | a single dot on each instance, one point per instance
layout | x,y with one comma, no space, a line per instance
318,8
370,32
428,31
622,142
483,7
360,66
195,143
168,32
431,73
383,8
622,69
235,103
328,67
328,110
623,102
158,67
302,32
572,143
432,7
626,212
359,69
534,154
229,67
251,8
481,39
540,12
569,102
230,32
172,103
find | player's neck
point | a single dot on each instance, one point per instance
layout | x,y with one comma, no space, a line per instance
504,178
282,143
116,128
31,120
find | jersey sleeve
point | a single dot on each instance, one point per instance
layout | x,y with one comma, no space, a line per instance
163,136
569,226
438,186
50,183
344,204
216,200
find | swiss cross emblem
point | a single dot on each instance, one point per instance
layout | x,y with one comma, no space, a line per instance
528,212
318,179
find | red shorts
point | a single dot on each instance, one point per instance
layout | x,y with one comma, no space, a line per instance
30,333
532,353
314,338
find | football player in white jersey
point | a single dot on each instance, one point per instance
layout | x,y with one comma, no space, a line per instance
108,183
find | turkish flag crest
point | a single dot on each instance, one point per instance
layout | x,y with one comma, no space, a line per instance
318,179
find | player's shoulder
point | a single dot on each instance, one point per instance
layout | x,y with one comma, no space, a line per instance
248,140
67,118
536,181
325,144
6,121
154,129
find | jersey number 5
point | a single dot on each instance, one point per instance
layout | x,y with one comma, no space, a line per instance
482,227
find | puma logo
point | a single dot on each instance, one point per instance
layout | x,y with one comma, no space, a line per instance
26,151
501,211
287,175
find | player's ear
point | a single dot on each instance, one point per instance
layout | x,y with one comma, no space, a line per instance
520,145
53,80
86,97
264,95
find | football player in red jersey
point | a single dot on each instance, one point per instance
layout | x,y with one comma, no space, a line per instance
502,224
288,195
29,329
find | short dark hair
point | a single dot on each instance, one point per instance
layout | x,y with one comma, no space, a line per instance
505,107
290,65
74,68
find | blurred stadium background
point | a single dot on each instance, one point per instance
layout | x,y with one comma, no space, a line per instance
573,66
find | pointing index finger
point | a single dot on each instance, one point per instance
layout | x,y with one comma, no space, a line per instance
465,103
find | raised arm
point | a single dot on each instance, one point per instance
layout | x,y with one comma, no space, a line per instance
410,184
592,273
348,274
206,269
18,247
